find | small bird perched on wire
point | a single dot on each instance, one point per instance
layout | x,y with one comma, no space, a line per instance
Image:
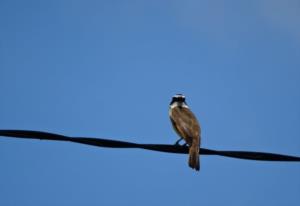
187,127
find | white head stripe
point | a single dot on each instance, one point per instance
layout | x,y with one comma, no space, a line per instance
179,95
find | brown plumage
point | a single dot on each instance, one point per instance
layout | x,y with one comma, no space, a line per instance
187,127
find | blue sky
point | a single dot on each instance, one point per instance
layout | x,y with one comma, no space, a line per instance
108,69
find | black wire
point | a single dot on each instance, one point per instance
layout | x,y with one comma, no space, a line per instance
263,156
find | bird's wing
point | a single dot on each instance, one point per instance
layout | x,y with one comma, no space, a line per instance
185,123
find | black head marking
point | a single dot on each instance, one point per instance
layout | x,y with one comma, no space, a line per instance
178,98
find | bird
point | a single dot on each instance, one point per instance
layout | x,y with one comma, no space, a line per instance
187,127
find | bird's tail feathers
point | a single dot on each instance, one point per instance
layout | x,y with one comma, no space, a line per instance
194,161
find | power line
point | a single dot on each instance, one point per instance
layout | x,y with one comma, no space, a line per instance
262,156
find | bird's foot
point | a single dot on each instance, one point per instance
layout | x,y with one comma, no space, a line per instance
177,142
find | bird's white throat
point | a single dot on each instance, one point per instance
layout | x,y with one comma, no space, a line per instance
178,104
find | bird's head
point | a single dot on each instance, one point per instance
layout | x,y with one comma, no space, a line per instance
178,99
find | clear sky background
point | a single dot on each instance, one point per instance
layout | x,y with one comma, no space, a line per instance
108,69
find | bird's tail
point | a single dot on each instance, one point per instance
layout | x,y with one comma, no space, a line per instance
194,161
